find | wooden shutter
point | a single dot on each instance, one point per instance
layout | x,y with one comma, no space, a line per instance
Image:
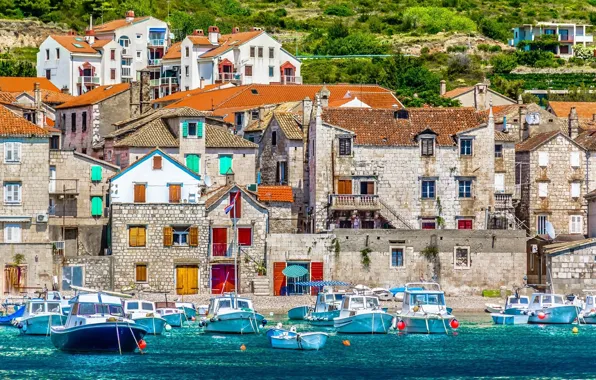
168,236
245,236
174,193
96,173
370,188
141,273
193,236
316,274
225,164
139,193
96,206
200,129
141,237
344,186
279,279
156,162
132,236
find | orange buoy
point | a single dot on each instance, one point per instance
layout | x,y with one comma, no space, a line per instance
346,343
142,344
193,319
243,348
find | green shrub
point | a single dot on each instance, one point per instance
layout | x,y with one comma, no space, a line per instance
433,20
341,10
503,63
457,49
425,50
494,48
484,47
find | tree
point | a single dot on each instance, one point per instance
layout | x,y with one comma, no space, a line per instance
184,23
503,63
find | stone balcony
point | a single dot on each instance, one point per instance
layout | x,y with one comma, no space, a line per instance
503,201
355,202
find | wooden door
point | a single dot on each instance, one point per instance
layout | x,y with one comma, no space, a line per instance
316,274
223,279
187,279
344,186
279,279
220,241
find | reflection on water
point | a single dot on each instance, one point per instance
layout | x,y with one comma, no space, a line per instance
478,349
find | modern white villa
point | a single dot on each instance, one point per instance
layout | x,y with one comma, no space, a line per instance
568,34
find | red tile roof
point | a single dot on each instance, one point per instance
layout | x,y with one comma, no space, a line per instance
96,95
20,84
68,42
535,141
585,110
378,99
275,194
457,91
100,43
381,127
174,51
199,40
116,24
587,139
230,41
13,125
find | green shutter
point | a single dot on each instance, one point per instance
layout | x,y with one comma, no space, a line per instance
192,162
185,129
96,173
96,206
225,164
198,162
200,129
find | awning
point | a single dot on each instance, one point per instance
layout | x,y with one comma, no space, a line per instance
294,271
162,30
320,284
15,218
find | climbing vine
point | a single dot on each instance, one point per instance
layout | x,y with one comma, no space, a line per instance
336,247
440,219
365,258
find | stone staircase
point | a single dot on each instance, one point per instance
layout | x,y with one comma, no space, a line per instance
393,217
261,286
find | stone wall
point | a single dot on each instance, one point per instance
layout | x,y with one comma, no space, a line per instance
97,271
37,263
574,270
244,161
281,218
498,258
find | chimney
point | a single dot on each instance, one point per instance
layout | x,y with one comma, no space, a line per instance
39,114
140,99
198,32
90,36
443,87
202,83
235,30
130,16
573,123
65,90
524,128
306,112
324,96
72,33
480,90
519,99
214,35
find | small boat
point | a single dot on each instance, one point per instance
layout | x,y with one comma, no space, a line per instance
202,310
53,295
588,313
515,311
362,314
549,308
145,314
326,309
298,313
493,308
424,310
509,319
172,315
7,319
233,315
292,340
39,317
382,294
96,323
188,308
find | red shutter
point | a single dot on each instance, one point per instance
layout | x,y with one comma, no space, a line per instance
279,279
464,224
316,274
245,236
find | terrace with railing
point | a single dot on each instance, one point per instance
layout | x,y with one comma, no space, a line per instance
355,202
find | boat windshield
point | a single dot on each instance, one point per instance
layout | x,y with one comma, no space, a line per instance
92,308
516,301
427,299
590,300
372,302
132,306
53,307
357,303
36,308
147,306
53,296
329,298
244,304
339,296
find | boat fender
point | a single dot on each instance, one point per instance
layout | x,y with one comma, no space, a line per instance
401,325
293,329
264,322
112,319
142,344
168,327
212,320
454,324
149,315
541,315
20,325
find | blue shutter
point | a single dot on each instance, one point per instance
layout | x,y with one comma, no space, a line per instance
96,173
96,206
225,164
200,129
185,129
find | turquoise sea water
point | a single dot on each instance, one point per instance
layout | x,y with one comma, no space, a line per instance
479,349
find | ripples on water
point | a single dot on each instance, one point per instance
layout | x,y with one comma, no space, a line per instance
478,350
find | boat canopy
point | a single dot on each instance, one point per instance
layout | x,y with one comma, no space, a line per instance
421,298
546,299
360,302
98,298
417,286
36,307
320,284
145,306
513,300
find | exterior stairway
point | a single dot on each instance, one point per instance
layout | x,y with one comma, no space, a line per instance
260,286
394,217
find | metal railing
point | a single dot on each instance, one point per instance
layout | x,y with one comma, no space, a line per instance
89,79
154,82
355,201
126,72
168,81
387,210
63,186
154,62
156,42
230,77
221,250
290,79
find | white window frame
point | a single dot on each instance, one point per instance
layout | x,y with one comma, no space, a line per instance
543,159
576,224
542,189
574,159
9,188
12,147
177,230
12,232
500,185
469,265
575,190
391,248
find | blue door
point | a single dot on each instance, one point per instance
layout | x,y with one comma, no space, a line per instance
294,289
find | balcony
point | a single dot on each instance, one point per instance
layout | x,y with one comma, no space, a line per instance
94,80
64,186
126,72
290,79
229,77
156,42
154,62
154,82
221,250
355,202
503,201
568,38
588,38
168,81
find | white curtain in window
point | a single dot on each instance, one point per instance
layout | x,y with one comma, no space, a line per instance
575,189
543,159
500,182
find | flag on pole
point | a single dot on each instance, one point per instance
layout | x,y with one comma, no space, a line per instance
232,203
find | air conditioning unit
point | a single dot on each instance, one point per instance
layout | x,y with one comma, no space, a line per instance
42,218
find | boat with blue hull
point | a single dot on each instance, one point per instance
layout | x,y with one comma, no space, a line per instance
188,308
292,340
96,323
7,319
327,307
231,314
172,315
548,308
424,310
145,314
39,317
361,314
515,311
298,313
588,313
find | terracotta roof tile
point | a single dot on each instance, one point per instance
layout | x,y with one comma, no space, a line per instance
13,125
377,99
230,41
214,196
174,51
587,139
155,134
535,141
289,125
21,84
381,127
220,137
457,91
7,97
116,24
52,97
75,44
199,40
504,137
260,124
585,110
100,43
275,194
96,95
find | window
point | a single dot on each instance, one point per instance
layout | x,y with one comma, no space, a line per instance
367,187
271,52
543,159
271,71
244,236
48,74
428,189
139,36
73,122
12,152
274,138
575,190
12,233
175,191
187,51
225,163
427,147
180,236
576,224
113,54
96,206
236,212
248,71
252,52
541,221
498,151
193,162
192,129
72,275
12,193
260,52
139,192
137,236
464,224
281,176
113,74
543,189
139,54
47,54
57,53
574,159
84,121
499,182
428,223
345,146
156,162
465,189
397,257
465,147
187,73
462,258
141,272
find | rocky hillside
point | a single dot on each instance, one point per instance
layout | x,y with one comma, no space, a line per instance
25,33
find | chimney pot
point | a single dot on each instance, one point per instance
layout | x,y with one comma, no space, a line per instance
198,32
130,16
65,90
443,87
235,30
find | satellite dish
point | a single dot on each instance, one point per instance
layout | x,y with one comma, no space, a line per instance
550,230
208,182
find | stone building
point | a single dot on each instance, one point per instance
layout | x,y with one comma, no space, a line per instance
523,121
572,266
479,96
88,118
280,202
78,191
417,168
26,254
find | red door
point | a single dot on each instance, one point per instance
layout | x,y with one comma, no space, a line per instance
279,279
316,274
223,278
464,224
220,241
